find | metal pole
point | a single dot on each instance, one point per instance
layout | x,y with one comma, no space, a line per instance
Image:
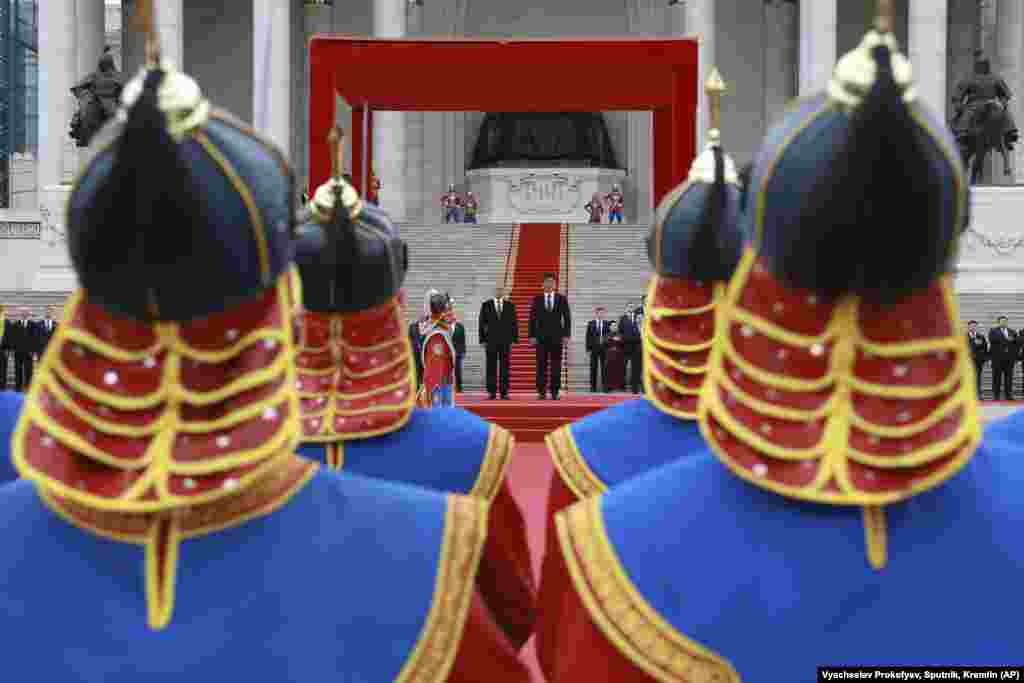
366,148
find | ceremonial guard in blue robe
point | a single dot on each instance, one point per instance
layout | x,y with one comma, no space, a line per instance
165,528
848,512
694,248
10,409
357,387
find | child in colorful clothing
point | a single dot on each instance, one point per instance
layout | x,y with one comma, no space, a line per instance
616,203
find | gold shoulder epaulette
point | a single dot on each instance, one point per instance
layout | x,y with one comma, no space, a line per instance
500,444
629,623
571,466
465,532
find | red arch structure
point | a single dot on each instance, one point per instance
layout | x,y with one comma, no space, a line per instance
505,75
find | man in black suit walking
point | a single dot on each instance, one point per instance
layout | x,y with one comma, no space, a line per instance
979,349
1002,342
631,326
550,324
598,331
499,330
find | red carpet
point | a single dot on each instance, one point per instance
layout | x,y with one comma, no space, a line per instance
539,251
530,419
529,476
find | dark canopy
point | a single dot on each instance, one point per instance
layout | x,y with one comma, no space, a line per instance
539,137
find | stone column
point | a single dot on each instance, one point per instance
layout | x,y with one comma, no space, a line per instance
1007,63
700,23
58,64
780,57
317,19
272,71
928,50
818,33
170,24
91,34
389,126
90,37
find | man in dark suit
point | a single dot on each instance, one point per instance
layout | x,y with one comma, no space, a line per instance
416,340
45,330
631,325
6,335
1002,343
459,344
979,349
25,344
550,324
499,330
598,331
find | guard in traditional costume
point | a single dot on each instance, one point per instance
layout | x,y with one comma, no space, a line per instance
470,208
357,384
450,203
843,517
438,359
595,208
616,203
694,248
167,530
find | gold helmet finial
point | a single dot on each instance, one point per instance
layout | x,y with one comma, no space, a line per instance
336,143
145,23
885,19
714,86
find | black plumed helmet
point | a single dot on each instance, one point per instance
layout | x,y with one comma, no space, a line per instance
182,211
351,257
696,233
860,191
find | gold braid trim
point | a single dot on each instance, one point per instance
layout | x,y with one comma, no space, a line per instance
629,623
833,452
571,465
500,444
656,385
157,463
335,455
876,536
161,533
465,532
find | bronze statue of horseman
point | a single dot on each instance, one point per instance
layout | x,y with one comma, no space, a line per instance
98,95
982,120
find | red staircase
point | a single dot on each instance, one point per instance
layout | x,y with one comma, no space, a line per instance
531,420
538,251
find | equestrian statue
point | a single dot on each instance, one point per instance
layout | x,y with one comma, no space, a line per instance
98,96
982,120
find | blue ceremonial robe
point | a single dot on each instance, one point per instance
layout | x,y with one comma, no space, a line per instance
10,410
616,444
443,449
336,585
770,587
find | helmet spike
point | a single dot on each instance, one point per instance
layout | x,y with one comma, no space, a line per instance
885,18
145,23
714,87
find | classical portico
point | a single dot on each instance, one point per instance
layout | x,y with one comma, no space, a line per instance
251,57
